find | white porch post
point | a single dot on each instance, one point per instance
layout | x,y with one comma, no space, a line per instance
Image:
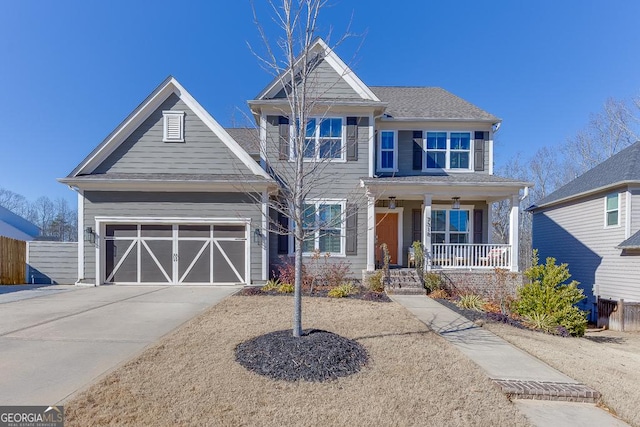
371,233
489,223
514,227
426,231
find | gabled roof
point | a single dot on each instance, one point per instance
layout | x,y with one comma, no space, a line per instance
632,242
619,169
319,45
16,227
169,86
431,103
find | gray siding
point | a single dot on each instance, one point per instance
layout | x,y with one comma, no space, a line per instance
200,205
334,180
325,82
52,262
405,155
575,234
202,152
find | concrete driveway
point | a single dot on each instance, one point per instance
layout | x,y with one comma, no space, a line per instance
57,340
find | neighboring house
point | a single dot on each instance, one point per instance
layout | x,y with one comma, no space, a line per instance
593,224
16,227
172,197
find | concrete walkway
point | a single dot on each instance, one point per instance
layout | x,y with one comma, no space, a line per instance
57,340
505,363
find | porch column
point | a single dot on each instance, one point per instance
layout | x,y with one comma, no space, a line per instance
489,223
371,233
426,231
514,227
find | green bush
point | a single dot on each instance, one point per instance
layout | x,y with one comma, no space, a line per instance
286,288
343,290
471,302
541,321
547,293
433,282
271,285
375,282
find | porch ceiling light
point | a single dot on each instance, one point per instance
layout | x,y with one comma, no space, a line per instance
392,202
456,203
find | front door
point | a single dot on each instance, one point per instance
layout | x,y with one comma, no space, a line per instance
387,232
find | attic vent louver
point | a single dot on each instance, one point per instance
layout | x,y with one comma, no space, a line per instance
173,126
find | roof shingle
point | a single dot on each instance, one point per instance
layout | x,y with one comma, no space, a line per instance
617,169
406,102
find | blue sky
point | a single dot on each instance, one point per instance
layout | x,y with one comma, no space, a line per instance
72,70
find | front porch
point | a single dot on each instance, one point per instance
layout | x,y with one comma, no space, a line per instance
449,215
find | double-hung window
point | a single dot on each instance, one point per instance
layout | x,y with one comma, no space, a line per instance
611,210
323,223
450,226
448,150
387,152
323,139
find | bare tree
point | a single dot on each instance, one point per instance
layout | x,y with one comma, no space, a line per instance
15,202
292,59
607,132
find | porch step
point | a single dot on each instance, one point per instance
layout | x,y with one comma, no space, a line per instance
404,281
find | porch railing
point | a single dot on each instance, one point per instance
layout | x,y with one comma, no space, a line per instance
469,255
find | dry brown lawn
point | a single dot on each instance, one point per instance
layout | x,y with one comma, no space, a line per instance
191,377
607,361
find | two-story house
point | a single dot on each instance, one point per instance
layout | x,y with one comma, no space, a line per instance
172,197
593,224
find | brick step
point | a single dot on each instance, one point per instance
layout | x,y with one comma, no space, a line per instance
541,390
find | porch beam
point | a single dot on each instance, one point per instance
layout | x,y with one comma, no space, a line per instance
426,231
371,233
514,227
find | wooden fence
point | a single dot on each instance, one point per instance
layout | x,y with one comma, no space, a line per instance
13,261
618,315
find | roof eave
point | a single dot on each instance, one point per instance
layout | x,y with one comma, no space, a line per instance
581,195
440,119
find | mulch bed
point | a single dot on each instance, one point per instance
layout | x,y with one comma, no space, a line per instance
475,316
363,294
316,356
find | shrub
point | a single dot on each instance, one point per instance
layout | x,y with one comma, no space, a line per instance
287,272
438,294
418,253
375,282
541,321
433,282
333,274
286,288
343,290
547,293
271,285
471,302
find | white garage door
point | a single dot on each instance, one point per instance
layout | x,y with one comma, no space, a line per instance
175,253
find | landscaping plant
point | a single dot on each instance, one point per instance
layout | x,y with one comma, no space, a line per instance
433,282
343,290
547,293
471,302
272,285
376,284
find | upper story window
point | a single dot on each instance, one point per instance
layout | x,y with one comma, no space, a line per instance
173,126
450,226
611,210
388,151
323,139
448,150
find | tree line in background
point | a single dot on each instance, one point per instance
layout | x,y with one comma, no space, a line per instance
612,129
56,219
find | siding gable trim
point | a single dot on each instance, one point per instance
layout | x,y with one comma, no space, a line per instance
335,62
144,110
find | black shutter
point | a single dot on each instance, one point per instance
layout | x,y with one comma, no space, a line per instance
477,226
283,239
416,225
417,150
352,229
478,152
283,143
352,138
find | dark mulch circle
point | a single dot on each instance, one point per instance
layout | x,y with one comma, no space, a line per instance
315,356
319,293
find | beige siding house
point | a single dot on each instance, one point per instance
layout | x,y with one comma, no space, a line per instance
593,224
